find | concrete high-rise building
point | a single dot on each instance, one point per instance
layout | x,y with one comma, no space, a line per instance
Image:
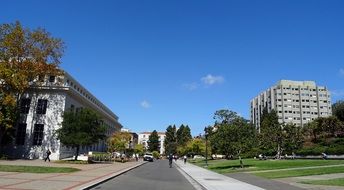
297,102
41,113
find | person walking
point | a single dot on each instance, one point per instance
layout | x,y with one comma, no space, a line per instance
48,154
170,158
185,159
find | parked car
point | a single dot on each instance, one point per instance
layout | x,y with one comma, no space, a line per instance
198,157
148,157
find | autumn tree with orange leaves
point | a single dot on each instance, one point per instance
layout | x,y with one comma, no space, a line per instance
25,56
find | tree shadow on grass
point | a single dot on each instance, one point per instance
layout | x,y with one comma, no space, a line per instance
234,167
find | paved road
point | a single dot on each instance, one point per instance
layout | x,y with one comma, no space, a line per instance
151,176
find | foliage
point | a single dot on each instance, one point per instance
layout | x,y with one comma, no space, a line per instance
225,116
119,142
271,133
292,138
233,136
323,128
183,135
156,154
81,128
338,110
170,140
195,146
153,142
139,149
24,56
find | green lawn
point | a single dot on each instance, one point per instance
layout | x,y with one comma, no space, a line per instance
229,166
303,172
36,169
331,182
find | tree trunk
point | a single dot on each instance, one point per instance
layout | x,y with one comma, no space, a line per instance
2,134
278,151
77,153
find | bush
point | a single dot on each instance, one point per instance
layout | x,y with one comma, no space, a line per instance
315,150
156,154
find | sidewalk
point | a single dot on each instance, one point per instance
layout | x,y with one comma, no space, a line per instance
213,181
89,175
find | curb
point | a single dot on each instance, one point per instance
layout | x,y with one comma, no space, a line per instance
107,178
197,186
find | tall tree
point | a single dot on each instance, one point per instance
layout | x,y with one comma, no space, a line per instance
82,128
119,142
292,138
183,135
25,55
170,140
270,136
338,110
154,142
225,116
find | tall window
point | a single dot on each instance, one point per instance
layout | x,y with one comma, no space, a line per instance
42,106
38,134
21,133
25,105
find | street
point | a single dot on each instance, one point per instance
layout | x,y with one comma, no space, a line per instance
153,175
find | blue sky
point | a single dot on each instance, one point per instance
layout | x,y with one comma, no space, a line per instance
156,63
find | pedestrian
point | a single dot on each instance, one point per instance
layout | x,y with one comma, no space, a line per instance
170,158
185,159
48,154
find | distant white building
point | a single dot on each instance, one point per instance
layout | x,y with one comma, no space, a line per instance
297,102
144,137
41,114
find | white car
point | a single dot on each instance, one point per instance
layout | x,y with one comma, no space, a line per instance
148,157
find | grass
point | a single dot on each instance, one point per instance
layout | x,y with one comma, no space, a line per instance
36,169
301,172
229,166
330,182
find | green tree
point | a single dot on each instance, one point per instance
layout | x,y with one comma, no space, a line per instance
170,141
183,135
338,110
196,146
154,142
119,142
232,139
82,128
225,116
25,55
270,136
292,138
139,149
156,154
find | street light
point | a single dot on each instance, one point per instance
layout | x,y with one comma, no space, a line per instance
206,145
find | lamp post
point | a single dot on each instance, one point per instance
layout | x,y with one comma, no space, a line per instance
206,146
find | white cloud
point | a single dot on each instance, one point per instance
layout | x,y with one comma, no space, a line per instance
191,86
145,104
341,72
211,80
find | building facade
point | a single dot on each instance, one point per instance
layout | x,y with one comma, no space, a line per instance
297,102
144,138
42,111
